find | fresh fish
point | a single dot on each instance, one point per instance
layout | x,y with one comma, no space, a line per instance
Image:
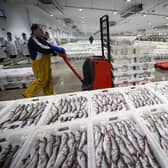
50,144
82,159
99,154
61,156
70,158
53,157
83,140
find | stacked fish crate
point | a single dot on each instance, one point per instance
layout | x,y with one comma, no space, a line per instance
118,127
82,49
15,78
161,51
132,64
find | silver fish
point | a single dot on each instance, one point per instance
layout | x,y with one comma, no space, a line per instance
99,154
83,140
82,159
53,157
61,156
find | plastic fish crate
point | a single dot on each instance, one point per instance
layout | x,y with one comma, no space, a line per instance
15,141
123,59
155,120
104,103
122,68
60,131
125,77
63,109
17,122
144,66
148,74
105,125
5,105
141,96
160,87
144,59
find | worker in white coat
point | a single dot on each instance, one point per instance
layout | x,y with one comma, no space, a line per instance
24,47
49,39
11,48
2,50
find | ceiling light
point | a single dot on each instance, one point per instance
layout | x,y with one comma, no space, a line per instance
51,15
166,17
128,0
82,17
115,12
80,10
144,15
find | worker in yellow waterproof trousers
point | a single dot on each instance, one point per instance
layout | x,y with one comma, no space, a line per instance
40,52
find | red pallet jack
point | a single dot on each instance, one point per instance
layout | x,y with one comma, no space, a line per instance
97,69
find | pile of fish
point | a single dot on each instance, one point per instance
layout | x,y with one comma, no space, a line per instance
121,145
68,150
142,97
163,89
8,152
24,115
68,109
109,102
158,124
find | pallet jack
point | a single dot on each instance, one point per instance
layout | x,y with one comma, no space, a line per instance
97,69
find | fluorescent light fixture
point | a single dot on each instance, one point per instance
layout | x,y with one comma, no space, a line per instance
82,17
80,10
51,15
128,0
115,12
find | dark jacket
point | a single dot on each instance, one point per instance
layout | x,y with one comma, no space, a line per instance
37,47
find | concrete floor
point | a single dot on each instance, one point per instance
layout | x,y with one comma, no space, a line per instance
64,80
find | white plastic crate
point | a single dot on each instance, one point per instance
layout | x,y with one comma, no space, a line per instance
144,59
121,68
18,115
67,108
125,77
102,131
144,66
13,144
155,122
149,74
108,102
141,96
123,59
65,146
160,87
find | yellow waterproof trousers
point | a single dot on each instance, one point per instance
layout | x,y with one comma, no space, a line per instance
43,81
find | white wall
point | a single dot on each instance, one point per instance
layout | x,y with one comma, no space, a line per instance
16,21
21,14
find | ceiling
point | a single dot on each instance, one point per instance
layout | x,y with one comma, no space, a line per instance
87,20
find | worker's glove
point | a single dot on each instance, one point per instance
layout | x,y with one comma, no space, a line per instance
58,49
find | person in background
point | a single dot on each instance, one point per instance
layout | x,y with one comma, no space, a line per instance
24,46
40,52
91,39
49,39
2,50
11,48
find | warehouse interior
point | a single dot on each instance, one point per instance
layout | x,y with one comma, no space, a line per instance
107,97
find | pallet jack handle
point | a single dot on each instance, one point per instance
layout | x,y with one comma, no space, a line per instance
64,56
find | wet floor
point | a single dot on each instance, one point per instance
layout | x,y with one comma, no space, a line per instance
64,80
